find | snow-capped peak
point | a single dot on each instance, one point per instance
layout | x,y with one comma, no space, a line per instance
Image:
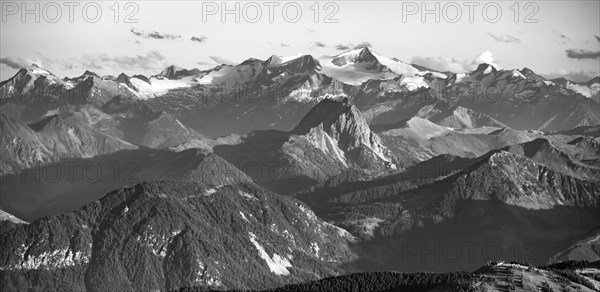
37,70
361,55
359,65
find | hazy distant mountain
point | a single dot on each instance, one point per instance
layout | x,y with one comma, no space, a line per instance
589,89
174,72
254,95
276,93
50,140
520,101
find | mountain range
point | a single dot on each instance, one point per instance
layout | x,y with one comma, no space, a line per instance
287,173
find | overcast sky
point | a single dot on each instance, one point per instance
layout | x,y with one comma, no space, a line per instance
550,37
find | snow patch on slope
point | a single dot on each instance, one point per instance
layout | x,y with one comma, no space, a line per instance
584,90
246,195
277,264
159,86
56,259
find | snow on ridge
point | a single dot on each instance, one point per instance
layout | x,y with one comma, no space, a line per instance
285,59
396,66
516,73
38,71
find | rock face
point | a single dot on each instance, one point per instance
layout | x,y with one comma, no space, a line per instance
166,235
331,139
174,72
353,144
570,159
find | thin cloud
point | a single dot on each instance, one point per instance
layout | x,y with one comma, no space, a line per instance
456,65
363,45
320,44
285,45
342,47
220,60
506,38
582,54
150,60
14,63
576,76
345,47
78,66
597,38
199,39
154,34
485,57
309,30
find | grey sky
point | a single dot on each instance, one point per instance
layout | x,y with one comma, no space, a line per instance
563,41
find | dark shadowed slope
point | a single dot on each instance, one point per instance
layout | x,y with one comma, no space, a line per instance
164,235
64,186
